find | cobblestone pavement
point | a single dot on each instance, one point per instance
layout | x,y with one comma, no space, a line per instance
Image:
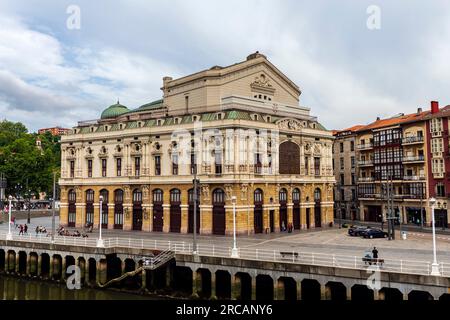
418,246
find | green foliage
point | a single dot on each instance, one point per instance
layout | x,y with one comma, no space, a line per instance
23,162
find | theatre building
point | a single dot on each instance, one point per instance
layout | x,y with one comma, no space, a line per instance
240,128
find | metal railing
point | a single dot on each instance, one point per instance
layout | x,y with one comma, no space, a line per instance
412,139
364,146
365,162
413,158
297,257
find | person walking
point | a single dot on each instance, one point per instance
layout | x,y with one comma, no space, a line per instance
375,253
37,230
20,230
25,229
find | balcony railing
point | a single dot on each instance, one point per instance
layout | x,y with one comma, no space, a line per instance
414,159
364,146
365,163
414,178
413,139
366,179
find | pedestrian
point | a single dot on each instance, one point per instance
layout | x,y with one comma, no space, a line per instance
20,230
37,230
375,253
25,229
283,226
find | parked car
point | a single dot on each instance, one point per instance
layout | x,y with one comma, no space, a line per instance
356,231
374,233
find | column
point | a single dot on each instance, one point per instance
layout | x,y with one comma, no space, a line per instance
28,267
405,296
196,286
213,285
206,219
144,279
298,283
184,218
63,268
166,217
279,289
97,272
50,271
324,292
349,293
111,212
290,207
17,263
236,287
253,285
376,294
303,225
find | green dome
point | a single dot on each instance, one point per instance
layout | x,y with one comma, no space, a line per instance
114,111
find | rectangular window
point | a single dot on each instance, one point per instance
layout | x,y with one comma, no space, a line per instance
342,181
175,164
119,166
193,164
352,145
157,165
137,166
90,168
317,166
341,147
440,190
72,169
352,159
218,162
353,179
341,163
103,167
258,163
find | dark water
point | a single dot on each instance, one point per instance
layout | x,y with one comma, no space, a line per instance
25,289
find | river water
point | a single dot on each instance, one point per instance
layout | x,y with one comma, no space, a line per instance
12,288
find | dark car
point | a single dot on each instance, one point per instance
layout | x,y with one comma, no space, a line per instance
356,231
374,233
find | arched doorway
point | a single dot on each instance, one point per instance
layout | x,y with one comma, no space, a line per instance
137,209
317,208
118,209
219,212
191,212
283,209
258,210
72,215
175,210
105,194
289,158
296,209
158,210
90,207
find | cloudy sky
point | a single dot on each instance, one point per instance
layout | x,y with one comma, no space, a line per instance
54,75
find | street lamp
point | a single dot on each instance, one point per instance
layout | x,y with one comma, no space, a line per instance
100,243
234,251
434,265
9,235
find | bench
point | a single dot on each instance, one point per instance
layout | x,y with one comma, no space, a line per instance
289,255
375,261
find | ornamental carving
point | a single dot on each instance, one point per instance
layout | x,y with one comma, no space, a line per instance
289,124
127,193
330,192
205,191
262,84
78,192
145,192
244,190
229,191
156,147
317,149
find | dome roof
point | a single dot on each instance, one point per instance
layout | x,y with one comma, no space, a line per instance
114,111
152,105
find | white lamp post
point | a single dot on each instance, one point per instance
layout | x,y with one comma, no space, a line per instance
434,265
234,251
9,235
100,243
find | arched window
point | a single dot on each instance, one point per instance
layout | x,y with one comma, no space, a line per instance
218,196
175,196
296,195
137,195
289,158
90,196
157,195
105,194
118,196
317,195
258,196
72,196
283,195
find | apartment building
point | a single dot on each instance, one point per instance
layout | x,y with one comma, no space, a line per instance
346,204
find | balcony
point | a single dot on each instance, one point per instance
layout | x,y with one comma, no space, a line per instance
366,179
414,178
412,140
365,146
365,163
369,196
411,159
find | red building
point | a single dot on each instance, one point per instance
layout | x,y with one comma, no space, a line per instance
56,131
437,126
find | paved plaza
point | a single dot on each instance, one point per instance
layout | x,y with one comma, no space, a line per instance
418,246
